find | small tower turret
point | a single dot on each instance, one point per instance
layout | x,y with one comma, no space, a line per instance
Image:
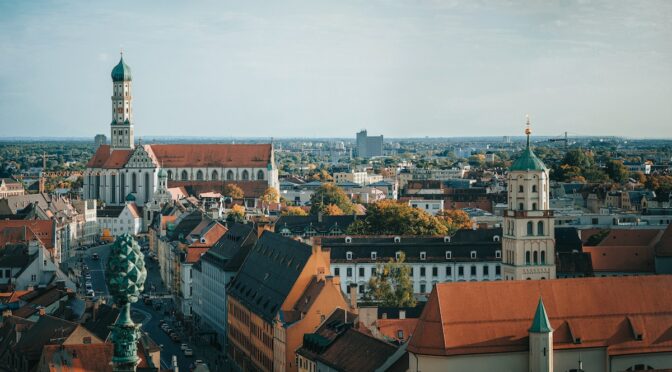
541,341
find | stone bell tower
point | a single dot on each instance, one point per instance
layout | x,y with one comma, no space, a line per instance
121,128
528,242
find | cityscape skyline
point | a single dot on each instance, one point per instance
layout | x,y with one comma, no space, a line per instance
442,69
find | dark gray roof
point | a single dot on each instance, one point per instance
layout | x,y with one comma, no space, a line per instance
567,240
231,249
112,211
269,273
322,225
484,241
185,226
105,316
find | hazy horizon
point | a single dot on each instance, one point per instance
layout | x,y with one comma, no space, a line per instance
310,69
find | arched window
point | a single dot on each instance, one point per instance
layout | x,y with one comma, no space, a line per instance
246,175
540,228
260,175
534,188
530,228
543,257
520,188
229,175
199,175
134,183
185,176
535,257
527,257
215,175
146,186
170,175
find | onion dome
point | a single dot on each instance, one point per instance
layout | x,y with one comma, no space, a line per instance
163,173
121,72
130,197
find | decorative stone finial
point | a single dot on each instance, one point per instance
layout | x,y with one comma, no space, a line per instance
126,276
528,131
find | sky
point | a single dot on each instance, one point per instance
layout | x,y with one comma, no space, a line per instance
330,68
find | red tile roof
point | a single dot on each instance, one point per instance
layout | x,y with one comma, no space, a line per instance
390,328
194,254
78,357
623,237
43,229
213,155
490,317
103,158
634,258
664,245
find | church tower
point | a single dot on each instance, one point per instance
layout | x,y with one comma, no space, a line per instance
122,110
528,242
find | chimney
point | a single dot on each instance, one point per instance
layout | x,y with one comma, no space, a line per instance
320,216
317,246
402,314
353,295
6,314
42,311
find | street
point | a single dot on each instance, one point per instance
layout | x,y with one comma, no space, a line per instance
150,318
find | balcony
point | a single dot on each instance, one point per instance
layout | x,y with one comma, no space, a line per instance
529,214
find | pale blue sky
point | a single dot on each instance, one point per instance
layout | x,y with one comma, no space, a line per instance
329,68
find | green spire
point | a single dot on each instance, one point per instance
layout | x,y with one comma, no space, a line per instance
528,161
540,324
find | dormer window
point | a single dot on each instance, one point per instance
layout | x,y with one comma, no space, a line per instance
348,256
397,255
397,239
473,255
449,255
348,240
498,254
446,239
495,238
423,255
374,255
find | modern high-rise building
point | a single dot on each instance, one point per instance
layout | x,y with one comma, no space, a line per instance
369,146
528,242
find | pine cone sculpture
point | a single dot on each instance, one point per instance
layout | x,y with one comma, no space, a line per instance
126,271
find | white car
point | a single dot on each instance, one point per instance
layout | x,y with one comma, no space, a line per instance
188,352
184,347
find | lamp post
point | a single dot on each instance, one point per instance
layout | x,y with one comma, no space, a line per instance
126,275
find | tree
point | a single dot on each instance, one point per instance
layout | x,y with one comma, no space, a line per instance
237,213
328,194
616,170
333,210
294,211
391,286
389,217
269,196
455,219
233,191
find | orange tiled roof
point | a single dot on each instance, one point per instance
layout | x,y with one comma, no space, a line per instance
103,158
211,236
213,155
78,357
42,229
194,254
390,327
616,258
490,317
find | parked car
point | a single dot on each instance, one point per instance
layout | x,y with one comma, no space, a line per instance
188,352
175,337
184,346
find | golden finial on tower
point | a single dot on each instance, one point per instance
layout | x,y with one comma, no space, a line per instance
528,130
